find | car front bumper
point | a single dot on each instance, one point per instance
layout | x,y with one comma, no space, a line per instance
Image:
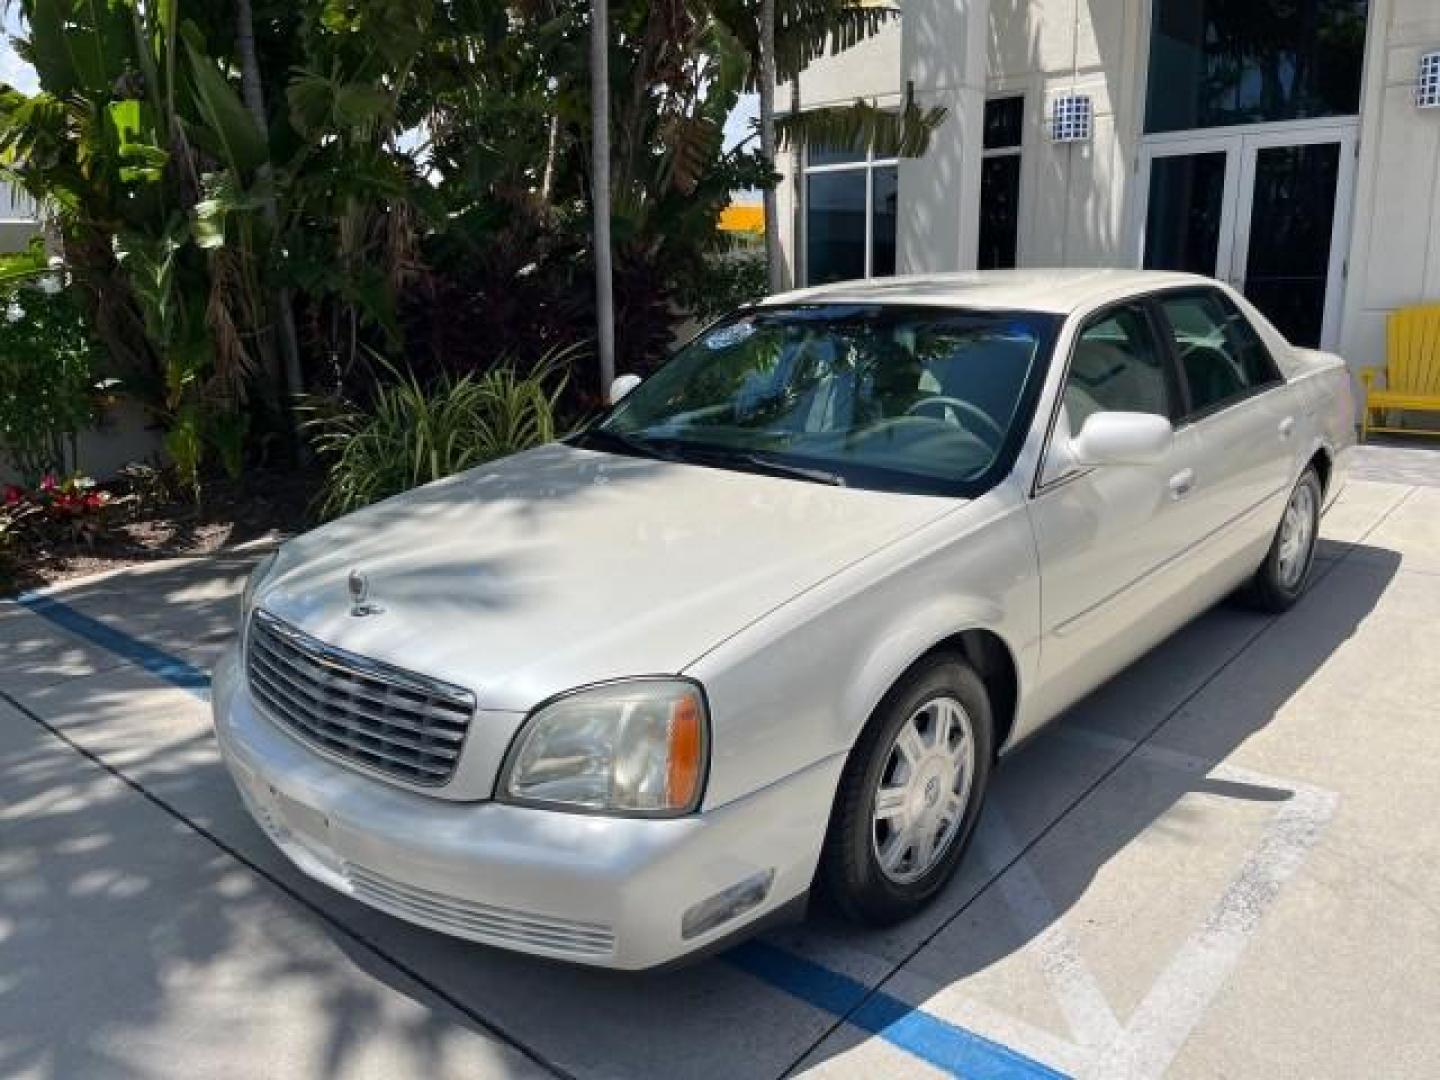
604,891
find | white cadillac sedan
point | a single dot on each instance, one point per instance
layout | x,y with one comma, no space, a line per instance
768,624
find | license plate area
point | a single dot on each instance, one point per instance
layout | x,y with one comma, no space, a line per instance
295,825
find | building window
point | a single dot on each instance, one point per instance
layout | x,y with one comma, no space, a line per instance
1000,183
850,215
1215,63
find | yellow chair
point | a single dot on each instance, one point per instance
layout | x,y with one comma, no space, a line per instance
1411,372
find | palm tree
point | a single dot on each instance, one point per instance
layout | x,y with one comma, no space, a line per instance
774,272
600,190
253,92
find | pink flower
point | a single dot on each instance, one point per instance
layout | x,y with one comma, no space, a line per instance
49,483
13,495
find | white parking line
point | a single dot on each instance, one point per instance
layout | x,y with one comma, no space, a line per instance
1179,997
1092,1022
1100,1045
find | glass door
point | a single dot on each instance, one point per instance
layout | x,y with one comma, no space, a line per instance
1266,211
1189,219
1289,257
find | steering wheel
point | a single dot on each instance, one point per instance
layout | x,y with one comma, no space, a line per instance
968,408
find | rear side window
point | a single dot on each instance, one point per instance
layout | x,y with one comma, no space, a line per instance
1221,357
1117,366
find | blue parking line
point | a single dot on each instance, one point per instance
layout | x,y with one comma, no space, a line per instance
157,662
937,1042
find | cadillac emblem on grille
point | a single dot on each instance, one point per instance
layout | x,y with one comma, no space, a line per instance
360,604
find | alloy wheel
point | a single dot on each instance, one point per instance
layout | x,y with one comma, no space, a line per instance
924,788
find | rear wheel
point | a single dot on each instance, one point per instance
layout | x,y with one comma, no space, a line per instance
1280,581
910,794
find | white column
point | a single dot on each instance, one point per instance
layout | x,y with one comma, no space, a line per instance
944,54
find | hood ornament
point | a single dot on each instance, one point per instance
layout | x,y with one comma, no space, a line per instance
360,605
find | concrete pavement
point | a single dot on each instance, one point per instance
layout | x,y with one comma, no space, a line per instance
1223,862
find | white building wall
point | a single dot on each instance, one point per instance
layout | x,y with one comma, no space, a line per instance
957,52
943,55
1074,197
1395,246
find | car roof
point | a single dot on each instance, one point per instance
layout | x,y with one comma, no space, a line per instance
1060,290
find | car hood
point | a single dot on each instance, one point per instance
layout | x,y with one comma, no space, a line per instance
560,567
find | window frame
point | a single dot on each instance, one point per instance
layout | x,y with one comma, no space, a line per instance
1170,343
1017,150
868,164
1140,82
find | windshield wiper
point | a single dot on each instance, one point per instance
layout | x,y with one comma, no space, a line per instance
758,463
629,444
796,472
680,451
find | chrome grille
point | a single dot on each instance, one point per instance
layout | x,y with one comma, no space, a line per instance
382,717
480,922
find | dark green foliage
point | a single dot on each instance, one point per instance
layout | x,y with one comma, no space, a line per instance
47,377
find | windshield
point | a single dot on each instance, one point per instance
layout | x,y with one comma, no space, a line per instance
903,398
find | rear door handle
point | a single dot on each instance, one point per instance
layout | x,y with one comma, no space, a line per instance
1181,483
1287,427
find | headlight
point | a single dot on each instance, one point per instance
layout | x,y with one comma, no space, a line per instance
633,747
253,583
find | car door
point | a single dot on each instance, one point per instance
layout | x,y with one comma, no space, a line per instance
1238,428
1109,538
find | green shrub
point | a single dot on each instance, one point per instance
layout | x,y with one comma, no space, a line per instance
728,280
413,434
47,377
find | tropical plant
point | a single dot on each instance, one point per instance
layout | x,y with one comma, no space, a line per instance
74,508
142,152
412,434
190,214
513,268
48,384
250,194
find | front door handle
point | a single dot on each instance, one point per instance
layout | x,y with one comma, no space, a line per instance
1287,427
1181,483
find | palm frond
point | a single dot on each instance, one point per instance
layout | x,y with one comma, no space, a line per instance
691,143
818,28
905,133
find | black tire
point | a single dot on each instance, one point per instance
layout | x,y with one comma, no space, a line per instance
851,876
1271,589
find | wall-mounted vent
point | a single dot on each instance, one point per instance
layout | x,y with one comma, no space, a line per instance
1071,118
1427,86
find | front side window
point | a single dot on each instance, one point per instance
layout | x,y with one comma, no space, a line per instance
1214,63
851,211
1117,366
914,399
1221,357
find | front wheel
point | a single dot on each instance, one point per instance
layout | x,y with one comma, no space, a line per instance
1281,577
910,794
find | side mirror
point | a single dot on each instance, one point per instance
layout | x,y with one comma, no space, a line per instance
622,385
1122,438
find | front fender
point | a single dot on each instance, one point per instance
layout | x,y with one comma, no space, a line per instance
898,648
798,686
